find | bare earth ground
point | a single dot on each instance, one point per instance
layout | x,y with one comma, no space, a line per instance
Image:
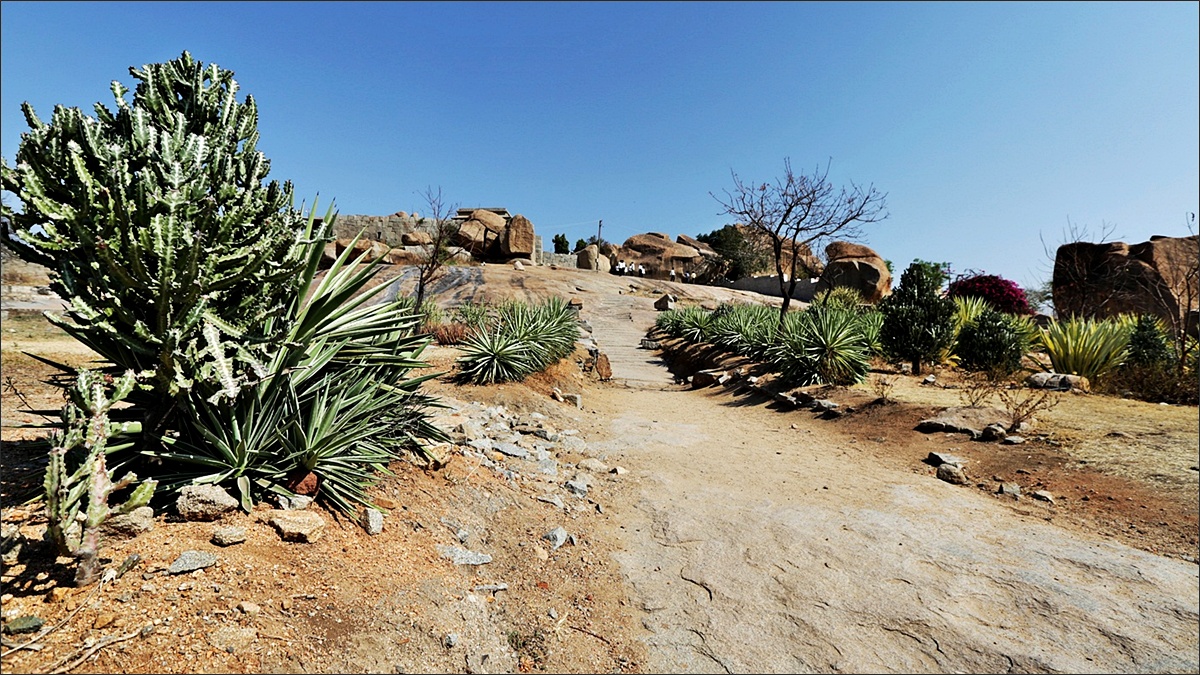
742,538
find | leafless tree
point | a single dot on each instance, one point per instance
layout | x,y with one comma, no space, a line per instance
441,230
799,214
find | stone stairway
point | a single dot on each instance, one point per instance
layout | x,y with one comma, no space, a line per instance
619,322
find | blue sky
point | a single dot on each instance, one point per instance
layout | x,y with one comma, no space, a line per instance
989,125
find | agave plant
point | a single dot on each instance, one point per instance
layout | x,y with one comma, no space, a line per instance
741,328
669,322
694,323
1085,347
870,323
324,400
821,346
522,339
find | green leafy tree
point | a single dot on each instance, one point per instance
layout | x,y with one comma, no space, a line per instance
918,320
991,343
741,255
580,244
561,245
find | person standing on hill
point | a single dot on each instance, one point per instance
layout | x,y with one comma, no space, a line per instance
672,274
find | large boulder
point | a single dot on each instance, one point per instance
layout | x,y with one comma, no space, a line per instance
404,256
701,247
1155,277
374,249
518,238
649,245
588,257
658,254
855,266
416,238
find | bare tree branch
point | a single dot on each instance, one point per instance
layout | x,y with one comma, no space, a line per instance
800,213
442,230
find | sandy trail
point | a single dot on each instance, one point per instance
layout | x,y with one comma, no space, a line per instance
753,546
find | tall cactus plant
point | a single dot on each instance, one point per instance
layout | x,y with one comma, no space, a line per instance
158,229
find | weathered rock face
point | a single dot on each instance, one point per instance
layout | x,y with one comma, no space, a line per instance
701,247
518,238
1155,277
416,238
659,255
858,267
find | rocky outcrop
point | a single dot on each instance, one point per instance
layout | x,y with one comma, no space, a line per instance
481,233
659,255
588,257
373,249
1157,277
855,266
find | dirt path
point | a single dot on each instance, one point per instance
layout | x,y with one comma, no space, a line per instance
758,541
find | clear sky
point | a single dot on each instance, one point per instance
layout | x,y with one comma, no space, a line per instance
989,126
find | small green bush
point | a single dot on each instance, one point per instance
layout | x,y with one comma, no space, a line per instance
1148,343
991,343
840,297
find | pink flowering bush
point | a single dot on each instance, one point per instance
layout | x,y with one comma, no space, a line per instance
1003,295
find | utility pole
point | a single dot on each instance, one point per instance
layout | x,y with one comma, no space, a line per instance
599,226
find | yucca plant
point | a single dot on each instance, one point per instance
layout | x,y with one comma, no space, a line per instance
821,346
840,297
521,339
331,401
870,324
669,322
1085,347
743,328
966,309
694,323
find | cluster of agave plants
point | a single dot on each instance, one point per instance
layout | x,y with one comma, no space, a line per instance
836,338
506,341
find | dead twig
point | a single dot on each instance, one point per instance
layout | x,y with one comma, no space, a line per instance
598,637
30,645
88,654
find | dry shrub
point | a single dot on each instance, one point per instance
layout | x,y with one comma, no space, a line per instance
1022,403
978,389
452,333
883,386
